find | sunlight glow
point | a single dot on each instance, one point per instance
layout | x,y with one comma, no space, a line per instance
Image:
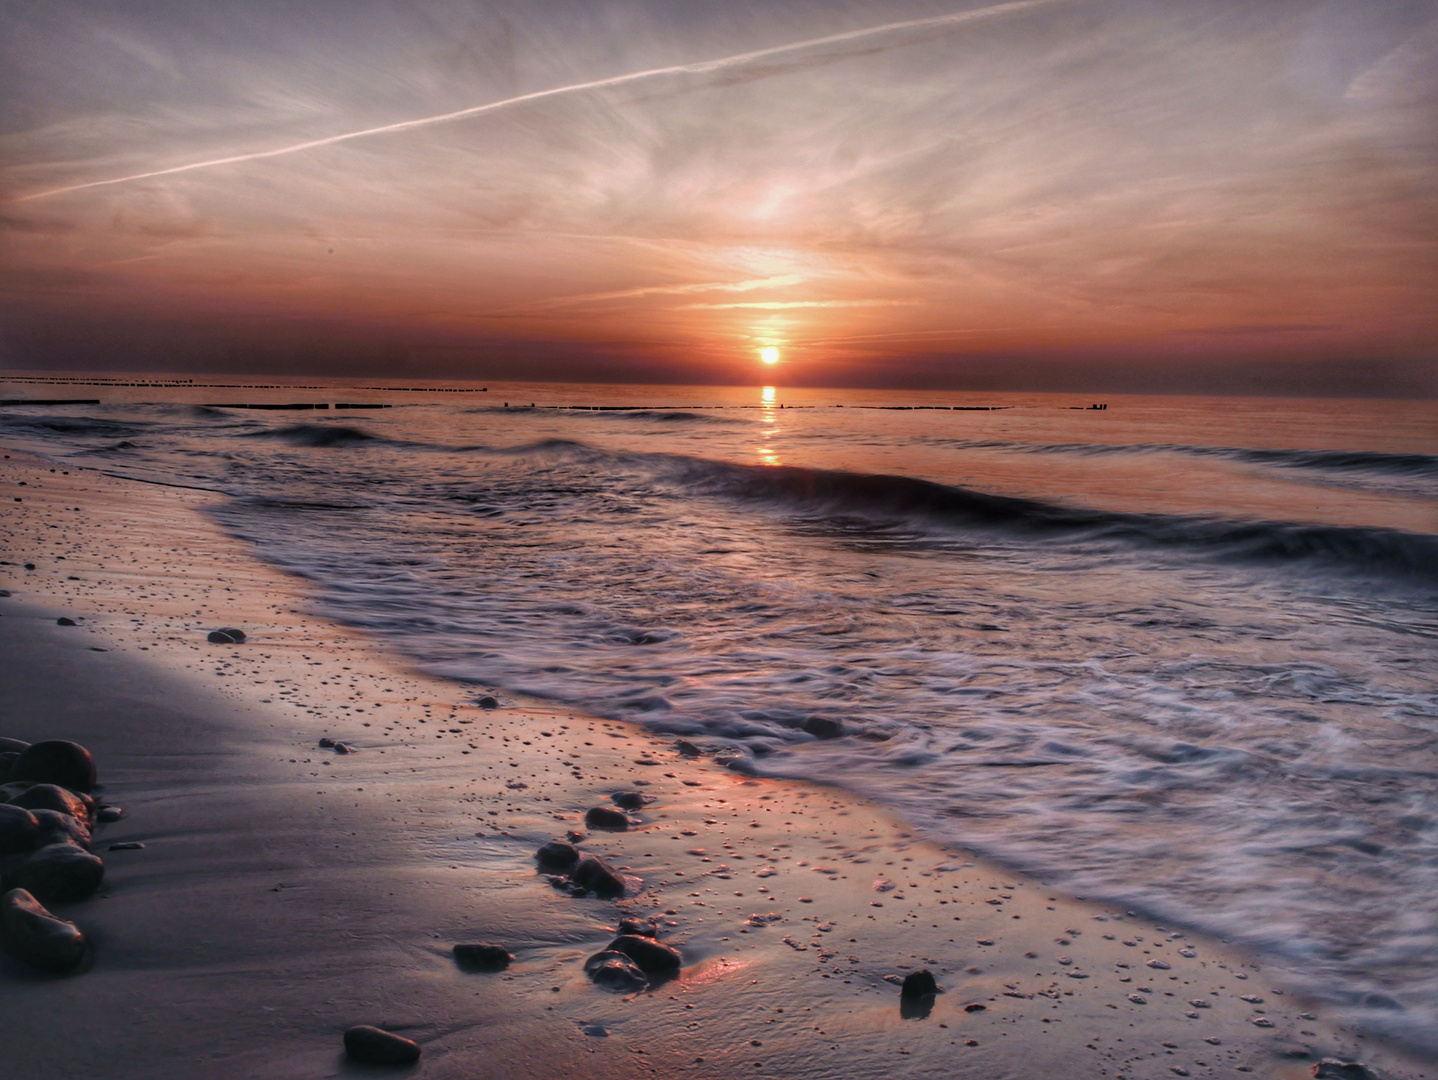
769,354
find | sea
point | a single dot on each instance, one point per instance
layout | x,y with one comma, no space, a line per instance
1175,653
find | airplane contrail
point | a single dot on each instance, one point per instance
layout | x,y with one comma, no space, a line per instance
698,68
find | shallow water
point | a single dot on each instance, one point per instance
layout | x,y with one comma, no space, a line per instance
1178,653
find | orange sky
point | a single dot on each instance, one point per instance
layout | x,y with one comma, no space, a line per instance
903,192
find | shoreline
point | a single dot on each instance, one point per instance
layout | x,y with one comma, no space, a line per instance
146,574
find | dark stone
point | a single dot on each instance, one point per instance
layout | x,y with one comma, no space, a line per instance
687,748
34,935
615,971
53,797
557,855
1333,1069
56,761
642,927
58,828
375,1046
13,746
236,636
651,956
327,743
975,1006
19,831
63,621
7,758
58,873
919,984
482,956
601,817
128,845
629,800
488,702
823,727
220,637
345,748
597,876
107,815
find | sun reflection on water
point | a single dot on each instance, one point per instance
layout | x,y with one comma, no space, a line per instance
767,398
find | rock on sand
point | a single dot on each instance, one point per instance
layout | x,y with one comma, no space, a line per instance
57,873
918,984
598,877
557,855
614,970
375,1046
19,831
34,935
602,817
653,957
482,956
56,761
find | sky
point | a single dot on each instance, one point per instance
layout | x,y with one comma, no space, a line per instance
1148,195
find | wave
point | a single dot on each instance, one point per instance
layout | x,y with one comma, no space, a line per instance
320,435
819,495
1367,461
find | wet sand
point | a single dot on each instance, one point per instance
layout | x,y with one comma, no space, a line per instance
286,892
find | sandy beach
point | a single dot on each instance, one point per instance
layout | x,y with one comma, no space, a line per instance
286,891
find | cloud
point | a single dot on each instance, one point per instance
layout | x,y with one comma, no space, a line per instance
785,305
703,67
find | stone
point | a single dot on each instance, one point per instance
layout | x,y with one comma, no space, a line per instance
651,956
488,702
56,761
557,855
58,873
53,797
642,927
629,800
19,831
7,758
1334,1069
58,828
824,727
63,621
597,876
601,817
919,984
34,935
128,845
482,956
615,971
222,637
687,748
345,748
327,743
375,1046
108,815
13,746
236,636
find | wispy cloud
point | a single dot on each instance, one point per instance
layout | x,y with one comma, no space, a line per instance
749,285
784,305
703,67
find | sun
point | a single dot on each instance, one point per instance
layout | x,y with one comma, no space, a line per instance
769,354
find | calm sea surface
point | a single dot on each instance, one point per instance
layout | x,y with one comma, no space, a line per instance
1178,653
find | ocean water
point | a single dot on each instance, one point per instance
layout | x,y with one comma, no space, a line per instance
1177,654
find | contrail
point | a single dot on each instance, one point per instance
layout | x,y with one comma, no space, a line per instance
699,68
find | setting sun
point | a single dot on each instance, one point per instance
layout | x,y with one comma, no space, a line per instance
769,354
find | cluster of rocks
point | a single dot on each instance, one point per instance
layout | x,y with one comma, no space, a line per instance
636,957
47,817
